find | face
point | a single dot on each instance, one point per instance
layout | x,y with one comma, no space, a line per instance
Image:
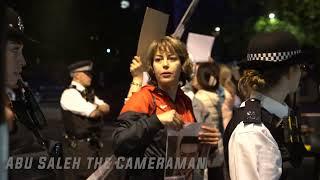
167,68
14,63
83,78
294,77
188,150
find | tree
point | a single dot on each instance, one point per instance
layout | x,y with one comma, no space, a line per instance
268,25
300,17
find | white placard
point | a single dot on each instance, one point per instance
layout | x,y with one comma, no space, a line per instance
200,47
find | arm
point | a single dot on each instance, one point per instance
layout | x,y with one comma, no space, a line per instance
134,133
135,85
227,108
71,100
137,128
103,107
136,69
96,114
253,155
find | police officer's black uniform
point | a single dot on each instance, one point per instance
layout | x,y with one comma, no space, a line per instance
82,135
26,139
269,50
284,131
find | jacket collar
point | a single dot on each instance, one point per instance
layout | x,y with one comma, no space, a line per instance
157,90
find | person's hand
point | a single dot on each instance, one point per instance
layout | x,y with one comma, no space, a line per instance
96,114
171,119
209,135
136,67
104,108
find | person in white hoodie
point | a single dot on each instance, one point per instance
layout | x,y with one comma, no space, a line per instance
210,97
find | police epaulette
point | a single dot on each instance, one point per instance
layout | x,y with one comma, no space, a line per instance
81,92
73,87
252,111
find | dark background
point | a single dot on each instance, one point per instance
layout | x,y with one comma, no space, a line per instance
70,30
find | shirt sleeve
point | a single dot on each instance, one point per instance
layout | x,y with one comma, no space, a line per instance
136,127
71,100
254,155
98,101
134,133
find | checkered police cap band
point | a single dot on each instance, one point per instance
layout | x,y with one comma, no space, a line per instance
273,57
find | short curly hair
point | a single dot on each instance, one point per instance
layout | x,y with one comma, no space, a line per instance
169,44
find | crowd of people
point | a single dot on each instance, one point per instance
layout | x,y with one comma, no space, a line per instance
210,87
244,118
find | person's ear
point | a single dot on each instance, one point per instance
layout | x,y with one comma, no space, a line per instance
76,75
292,71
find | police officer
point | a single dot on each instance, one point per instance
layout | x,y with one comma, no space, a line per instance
82,116
4,111
25,138
264,131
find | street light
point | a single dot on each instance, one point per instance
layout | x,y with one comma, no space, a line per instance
124,4
272,16
217,29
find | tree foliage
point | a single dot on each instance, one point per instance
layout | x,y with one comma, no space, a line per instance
300,17
268,25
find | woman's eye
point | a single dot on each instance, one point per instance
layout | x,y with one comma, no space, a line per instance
173,57
157,59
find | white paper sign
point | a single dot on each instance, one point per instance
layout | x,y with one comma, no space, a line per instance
200,46
153,28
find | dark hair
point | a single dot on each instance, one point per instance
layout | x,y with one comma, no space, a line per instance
169,44
206,74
